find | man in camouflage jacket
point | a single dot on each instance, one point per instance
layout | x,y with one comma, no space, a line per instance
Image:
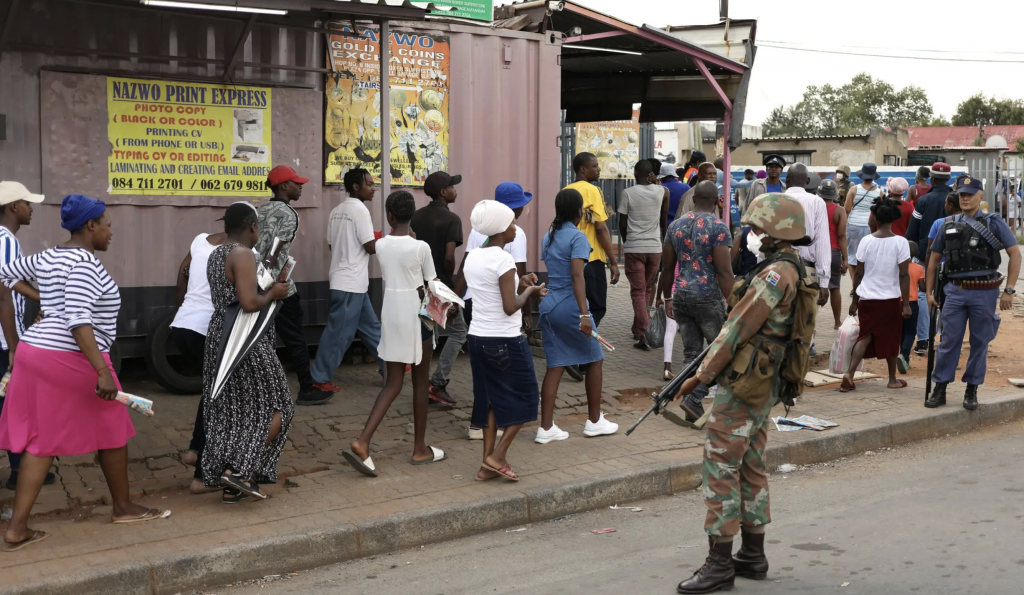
735,476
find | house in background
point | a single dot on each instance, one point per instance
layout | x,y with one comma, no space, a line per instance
876,145
958,144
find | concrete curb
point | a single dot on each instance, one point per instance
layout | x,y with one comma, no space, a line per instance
282,552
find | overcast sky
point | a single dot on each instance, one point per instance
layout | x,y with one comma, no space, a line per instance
780,76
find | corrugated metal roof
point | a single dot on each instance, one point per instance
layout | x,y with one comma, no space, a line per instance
826,137
961,136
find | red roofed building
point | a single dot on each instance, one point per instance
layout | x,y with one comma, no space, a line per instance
965,136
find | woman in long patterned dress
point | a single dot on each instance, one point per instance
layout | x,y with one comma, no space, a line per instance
247,423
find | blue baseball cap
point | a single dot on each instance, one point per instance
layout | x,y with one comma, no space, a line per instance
969,185
512,195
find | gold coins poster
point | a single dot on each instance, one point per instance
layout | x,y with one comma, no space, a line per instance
616,145
417,108
187,139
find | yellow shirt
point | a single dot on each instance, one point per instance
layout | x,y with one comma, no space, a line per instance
593,201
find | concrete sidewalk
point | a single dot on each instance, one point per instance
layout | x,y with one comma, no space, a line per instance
325,512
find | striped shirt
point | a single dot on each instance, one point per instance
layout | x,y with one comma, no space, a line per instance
10,250
74,290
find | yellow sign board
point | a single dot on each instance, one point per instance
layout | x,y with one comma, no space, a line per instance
616,145
187,139
417,108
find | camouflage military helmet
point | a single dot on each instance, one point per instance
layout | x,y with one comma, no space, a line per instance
778,215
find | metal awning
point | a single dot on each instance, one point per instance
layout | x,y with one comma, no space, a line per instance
608,65
620,64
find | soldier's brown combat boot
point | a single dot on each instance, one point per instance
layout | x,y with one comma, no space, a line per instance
750,562
717,574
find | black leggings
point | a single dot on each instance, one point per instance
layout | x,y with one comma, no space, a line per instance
192,346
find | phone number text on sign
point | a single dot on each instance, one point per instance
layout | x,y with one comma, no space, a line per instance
187,139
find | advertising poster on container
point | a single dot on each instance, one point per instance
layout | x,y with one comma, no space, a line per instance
187,139
481,10
616,145
666,146
417,109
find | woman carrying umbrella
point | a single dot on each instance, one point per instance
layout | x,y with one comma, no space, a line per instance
60,398
247,415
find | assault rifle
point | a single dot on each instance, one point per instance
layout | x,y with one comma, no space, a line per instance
939,291
665,397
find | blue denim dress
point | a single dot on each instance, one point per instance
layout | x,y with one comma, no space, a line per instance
564,344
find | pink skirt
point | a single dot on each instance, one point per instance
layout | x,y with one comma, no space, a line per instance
52,408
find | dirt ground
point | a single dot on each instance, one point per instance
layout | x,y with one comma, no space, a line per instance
1004,353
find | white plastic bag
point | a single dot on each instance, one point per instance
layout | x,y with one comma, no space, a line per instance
842,348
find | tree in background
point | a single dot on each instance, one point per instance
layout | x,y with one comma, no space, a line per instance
850,109
979,110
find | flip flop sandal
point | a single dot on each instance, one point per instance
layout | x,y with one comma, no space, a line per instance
505,471
243,485
482,479
902,365
151,514
903,384
37,536
439,456
233,496
365,467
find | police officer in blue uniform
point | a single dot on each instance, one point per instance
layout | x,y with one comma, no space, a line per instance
971,244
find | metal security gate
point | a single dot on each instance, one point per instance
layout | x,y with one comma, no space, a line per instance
1007,190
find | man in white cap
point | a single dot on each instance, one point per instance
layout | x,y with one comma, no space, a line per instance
16,204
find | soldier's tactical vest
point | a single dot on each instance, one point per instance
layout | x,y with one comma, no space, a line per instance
969,245
768,364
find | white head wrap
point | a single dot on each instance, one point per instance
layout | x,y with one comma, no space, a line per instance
490,217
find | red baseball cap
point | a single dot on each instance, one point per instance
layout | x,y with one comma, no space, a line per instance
940,170
283,173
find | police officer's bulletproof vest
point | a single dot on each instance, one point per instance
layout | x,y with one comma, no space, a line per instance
969,245
766,362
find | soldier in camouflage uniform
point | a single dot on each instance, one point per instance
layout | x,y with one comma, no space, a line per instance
735,479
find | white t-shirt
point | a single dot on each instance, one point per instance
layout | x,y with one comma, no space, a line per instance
482,269
348,228
881,258
195,312
517,249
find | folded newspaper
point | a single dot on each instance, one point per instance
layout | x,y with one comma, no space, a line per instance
804,422
143,406
437,303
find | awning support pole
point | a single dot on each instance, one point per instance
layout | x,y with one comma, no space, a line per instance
229,68
727,183
713,83
385,123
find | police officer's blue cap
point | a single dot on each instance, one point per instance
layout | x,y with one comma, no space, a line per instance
969,185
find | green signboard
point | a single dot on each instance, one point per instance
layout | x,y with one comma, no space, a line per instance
481,10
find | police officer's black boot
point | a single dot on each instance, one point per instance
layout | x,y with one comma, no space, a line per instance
938,398
750,562
717,574
971,397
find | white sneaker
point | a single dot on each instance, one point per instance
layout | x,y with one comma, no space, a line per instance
478,433
545,436
603,427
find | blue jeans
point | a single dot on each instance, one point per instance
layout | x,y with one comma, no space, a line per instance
910,330
351,314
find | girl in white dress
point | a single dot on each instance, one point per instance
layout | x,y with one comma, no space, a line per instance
406,267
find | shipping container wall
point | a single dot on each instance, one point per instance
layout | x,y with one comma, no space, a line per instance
504,123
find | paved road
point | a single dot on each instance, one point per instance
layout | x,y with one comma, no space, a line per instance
937,517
